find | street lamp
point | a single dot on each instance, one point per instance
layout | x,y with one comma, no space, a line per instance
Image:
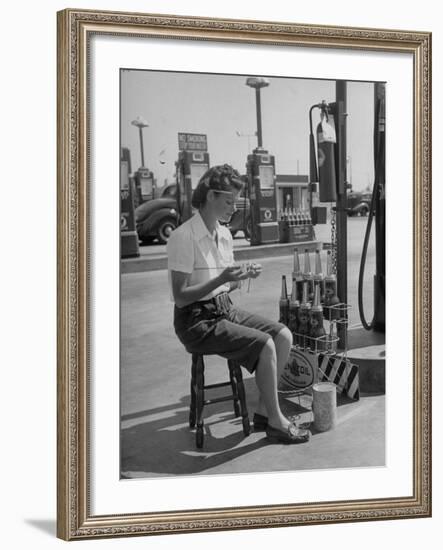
141,123
258,83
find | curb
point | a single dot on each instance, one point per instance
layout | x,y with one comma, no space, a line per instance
156,263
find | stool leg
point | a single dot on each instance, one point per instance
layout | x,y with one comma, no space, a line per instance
200,397
242,398
233,380
192,412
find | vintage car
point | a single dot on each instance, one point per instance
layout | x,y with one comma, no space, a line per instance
157,218
359,203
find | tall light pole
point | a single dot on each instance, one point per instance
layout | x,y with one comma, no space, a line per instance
141,123
258,83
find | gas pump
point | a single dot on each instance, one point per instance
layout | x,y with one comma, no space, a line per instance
192,163
128,233
145,184
262,194
330,173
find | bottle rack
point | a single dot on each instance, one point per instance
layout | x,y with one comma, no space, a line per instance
335,316
327,345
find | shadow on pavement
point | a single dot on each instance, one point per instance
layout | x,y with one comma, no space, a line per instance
165,444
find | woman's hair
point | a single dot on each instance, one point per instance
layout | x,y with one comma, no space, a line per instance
217,178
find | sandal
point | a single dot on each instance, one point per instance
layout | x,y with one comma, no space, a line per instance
261,422
291,435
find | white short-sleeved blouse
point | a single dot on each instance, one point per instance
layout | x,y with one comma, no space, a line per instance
192,249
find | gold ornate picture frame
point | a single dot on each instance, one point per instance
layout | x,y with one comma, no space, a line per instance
76,29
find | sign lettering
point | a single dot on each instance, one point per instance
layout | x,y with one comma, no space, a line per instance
192,142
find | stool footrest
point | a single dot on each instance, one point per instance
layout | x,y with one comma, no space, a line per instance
218,385
218,400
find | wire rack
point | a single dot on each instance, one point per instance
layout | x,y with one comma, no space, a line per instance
327,345
335,316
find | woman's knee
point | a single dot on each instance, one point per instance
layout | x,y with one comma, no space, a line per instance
284,337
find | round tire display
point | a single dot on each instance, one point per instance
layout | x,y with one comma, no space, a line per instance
300,372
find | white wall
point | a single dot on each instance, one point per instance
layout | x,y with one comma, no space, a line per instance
28,275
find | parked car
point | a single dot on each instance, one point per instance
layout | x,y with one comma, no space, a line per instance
359,203
157,218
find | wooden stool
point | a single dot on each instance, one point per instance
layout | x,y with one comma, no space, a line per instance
198,400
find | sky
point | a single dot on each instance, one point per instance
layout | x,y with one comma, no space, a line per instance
221,106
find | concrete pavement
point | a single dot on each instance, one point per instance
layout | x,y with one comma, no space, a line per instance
158,442
155,375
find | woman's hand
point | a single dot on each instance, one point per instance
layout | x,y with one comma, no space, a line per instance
236,273
254,270
233,273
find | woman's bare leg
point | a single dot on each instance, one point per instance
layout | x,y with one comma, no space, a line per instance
266,379
282,342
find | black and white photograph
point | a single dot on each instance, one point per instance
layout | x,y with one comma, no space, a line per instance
243,308
252,274
218,320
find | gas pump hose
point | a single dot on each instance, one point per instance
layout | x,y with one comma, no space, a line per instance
244,212
361,275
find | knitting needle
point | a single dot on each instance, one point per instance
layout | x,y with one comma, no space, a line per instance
249,281
248,267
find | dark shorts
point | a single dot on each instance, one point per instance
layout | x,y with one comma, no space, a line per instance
232,333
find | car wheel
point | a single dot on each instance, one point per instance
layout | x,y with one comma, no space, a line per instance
165,228
364,210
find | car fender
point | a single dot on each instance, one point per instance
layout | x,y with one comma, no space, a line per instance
361,205
148,227
146,209
157,216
